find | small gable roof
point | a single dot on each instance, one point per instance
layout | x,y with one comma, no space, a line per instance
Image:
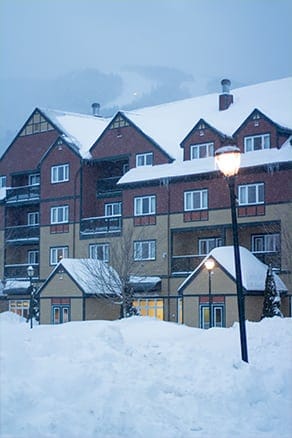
92,276
253,271
78,129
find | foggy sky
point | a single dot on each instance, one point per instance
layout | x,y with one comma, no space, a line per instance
200,41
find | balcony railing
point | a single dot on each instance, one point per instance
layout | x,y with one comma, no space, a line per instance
19,271
108,186
185,264
269,258
22,234
99,225
23,193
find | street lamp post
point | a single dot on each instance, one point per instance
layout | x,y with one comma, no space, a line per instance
228,161
209,265
30,273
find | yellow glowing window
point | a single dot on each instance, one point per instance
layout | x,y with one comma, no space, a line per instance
150,307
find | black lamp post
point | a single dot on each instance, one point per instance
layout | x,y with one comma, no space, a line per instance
30,273
228,161
209,265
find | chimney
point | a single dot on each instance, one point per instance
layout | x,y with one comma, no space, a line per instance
95,109
225,98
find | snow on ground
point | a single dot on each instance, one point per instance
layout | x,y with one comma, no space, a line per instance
144,378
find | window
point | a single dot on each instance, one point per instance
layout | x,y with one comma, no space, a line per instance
144,250
206,245
256,142
149,307
34,179
60,314
113,209
59,215
196,200
60,173
33,218
2,181
203,150
265,243
145,159
144,205
251,194
21,307
33,257
58,253
99,251
217,316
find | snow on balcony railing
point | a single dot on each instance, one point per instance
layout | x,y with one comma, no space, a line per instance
101,224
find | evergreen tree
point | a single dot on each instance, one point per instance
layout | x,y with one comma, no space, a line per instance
272,300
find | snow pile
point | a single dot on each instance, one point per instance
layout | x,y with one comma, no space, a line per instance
144,378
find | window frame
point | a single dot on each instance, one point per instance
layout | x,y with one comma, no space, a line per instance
3,181
207,241
138,250
274,237
105,247
204,307
33,257
199,147
144,156
243,192
32,177
20,307
252,138
55,212
61,308
54,257
60,173
191,194
112,205
152,307
139,210
36,218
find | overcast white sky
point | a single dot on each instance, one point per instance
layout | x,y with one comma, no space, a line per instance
247,41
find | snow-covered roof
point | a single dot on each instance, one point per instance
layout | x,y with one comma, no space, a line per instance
79,129
93,276
205,165
253,271
168,124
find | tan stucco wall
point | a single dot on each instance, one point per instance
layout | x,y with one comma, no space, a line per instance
221,283
100,308
61,285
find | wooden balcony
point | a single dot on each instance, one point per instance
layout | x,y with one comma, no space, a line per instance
23,194
100,225
19,271
22,234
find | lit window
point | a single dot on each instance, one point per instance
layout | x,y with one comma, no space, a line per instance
206,245
149,307
251,194
60,215
99,251
57,254
21,307
196,200
256,142
144,205
265,243
145,159
144,250
60,173
60,314
113,209
217,316
203,150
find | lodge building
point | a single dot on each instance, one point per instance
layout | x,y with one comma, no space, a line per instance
75,186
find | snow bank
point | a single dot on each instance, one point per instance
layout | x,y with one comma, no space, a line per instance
144,378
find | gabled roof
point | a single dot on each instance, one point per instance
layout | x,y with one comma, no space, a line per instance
79,129
207,165
252,269
168,124
92,276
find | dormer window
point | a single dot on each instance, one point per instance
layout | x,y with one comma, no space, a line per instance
257,142
202,150
145,159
